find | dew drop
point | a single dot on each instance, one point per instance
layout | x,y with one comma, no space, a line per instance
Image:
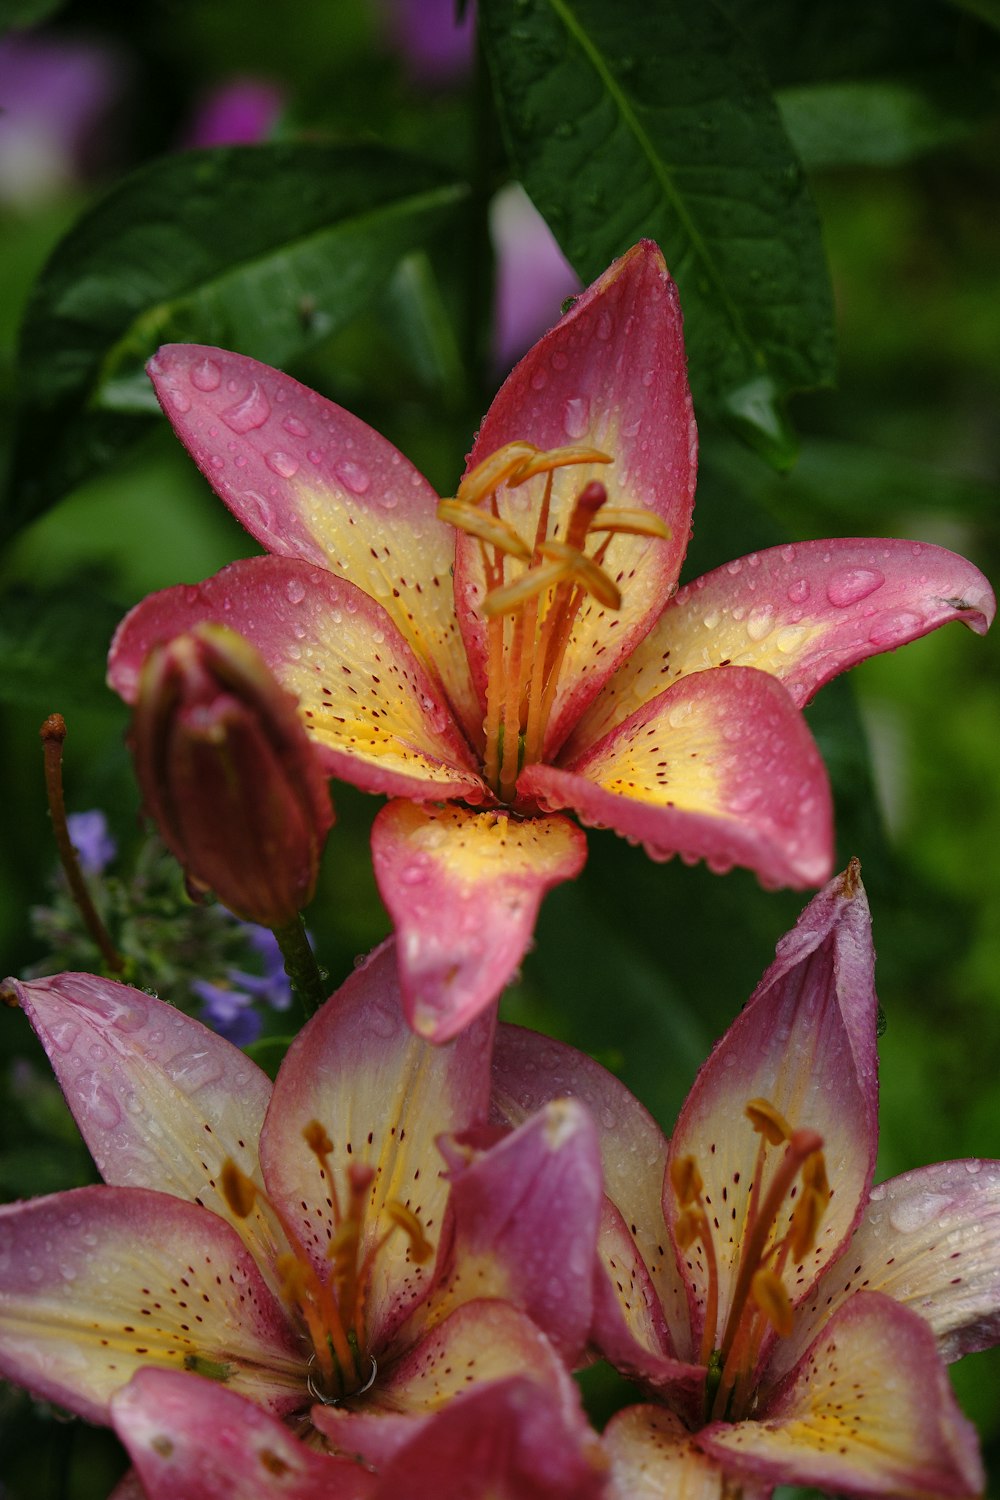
760,622
576,416
253,411
798,592
285,464
790,638
217,461
295,427
853,585
206,375
180,402
539,380
356,478
894,629
560,360
295,591
604,328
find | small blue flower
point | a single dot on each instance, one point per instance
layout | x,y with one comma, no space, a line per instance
228,1011
91,840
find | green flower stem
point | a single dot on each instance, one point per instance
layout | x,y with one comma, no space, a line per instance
300,964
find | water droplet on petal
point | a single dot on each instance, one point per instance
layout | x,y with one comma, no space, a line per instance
179,402
894,629
295,591
539,380
295,427
576,416
559,360
760,622
285,464
253,411
853,585
206,375
353,475
798,592
604,328
790,638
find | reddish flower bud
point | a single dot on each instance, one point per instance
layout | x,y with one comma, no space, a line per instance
229,775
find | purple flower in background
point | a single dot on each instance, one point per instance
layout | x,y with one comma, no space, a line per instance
227,1011
227,1004
239,112
91,840
55,99
435,47
533,277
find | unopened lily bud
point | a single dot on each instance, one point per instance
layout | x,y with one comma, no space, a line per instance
229,775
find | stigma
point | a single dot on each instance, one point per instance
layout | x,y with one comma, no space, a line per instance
329,1303
780,1228
534,590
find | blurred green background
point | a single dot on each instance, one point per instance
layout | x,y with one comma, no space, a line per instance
643,965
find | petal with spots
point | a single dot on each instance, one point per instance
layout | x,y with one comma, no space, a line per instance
803,612
931,1240
526,1215
193,1438
365,700
868,1411
720,767
382,1095
528,1071
160,1100
610,375
653,1457
97,1282
463,889
805,1043
311,481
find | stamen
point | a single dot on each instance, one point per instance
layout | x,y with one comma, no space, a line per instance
511,596
488,528
810,1208
239,1191
494,471
619,519
405,1219
584,571
686,1180
768,1121
543,462
768,1292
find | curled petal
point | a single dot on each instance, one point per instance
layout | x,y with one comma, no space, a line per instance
463,889
867,1411
190,1437
382,1096
529,1070
802,612
805,1043
526,1214
311,481
97,1282
610,375
931,1240
160,1100
720,767
514,1441
367,703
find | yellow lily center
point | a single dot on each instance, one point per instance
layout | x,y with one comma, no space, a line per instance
330,1303
534,591
779,1230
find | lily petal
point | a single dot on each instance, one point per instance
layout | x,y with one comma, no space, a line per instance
805,1042
528,1071
803,612
383,1096
366,701
99,1281
720,767
526,1214
653,1457
931,1240
463,890
611,375
191,1437
160,1100
309,480
868,1411
510,1442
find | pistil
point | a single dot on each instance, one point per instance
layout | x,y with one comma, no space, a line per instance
533,592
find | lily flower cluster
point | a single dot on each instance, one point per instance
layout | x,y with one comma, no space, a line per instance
379,1274
522,647
385,1266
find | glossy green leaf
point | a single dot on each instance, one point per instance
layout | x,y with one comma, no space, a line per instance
52,646
628,121
266,249
877,123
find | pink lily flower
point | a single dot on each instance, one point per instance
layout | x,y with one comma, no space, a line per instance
281,1241
508,1441
794,1320
559,667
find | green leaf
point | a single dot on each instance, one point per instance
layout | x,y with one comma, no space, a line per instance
53,644
15,14
877,123
625,121
266,249
269,1052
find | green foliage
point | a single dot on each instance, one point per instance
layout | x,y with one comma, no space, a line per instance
267,249
626,121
